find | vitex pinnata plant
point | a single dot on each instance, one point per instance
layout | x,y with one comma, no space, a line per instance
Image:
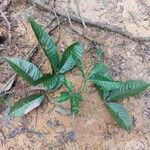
111,91
30,73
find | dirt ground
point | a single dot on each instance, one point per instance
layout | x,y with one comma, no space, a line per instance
45,128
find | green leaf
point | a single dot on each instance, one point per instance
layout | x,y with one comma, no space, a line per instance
42,79
106,85
120,114
100,69
77,56
54,82
63,97
25,105
50,81
103,94
67,62
24,69
100,73
128,88
47,44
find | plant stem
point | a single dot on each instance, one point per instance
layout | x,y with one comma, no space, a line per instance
81,90
74,124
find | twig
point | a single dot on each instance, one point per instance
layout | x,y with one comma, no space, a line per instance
104,26
31,52
79,32
101,25
4,137
133,18
7,86
29,90
58,21
5,3
55,14
79,13
145,45
36,117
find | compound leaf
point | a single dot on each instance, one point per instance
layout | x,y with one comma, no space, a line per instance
50,81
63,96
53,82
106,85
25,105
120,114
24,69
67,62
47,44
128,88
98,75
100,69
42,79
77,56
103,94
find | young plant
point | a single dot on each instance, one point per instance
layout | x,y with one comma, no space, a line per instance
30,73
74,97
110,90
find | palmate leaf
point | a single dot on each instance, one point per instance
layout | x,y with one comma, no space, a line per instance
106,85
63,96
128,88
103,94
50,81
54,82
120,114
24,69
42,79
100,73
100,69
101,77
25,105
77,56
67,62
47,44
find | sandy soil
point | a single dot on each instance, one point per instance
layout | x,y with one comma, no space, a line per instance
46,129
131,16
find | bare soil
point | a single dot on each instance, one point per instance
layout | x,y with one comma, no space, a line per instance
46,129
